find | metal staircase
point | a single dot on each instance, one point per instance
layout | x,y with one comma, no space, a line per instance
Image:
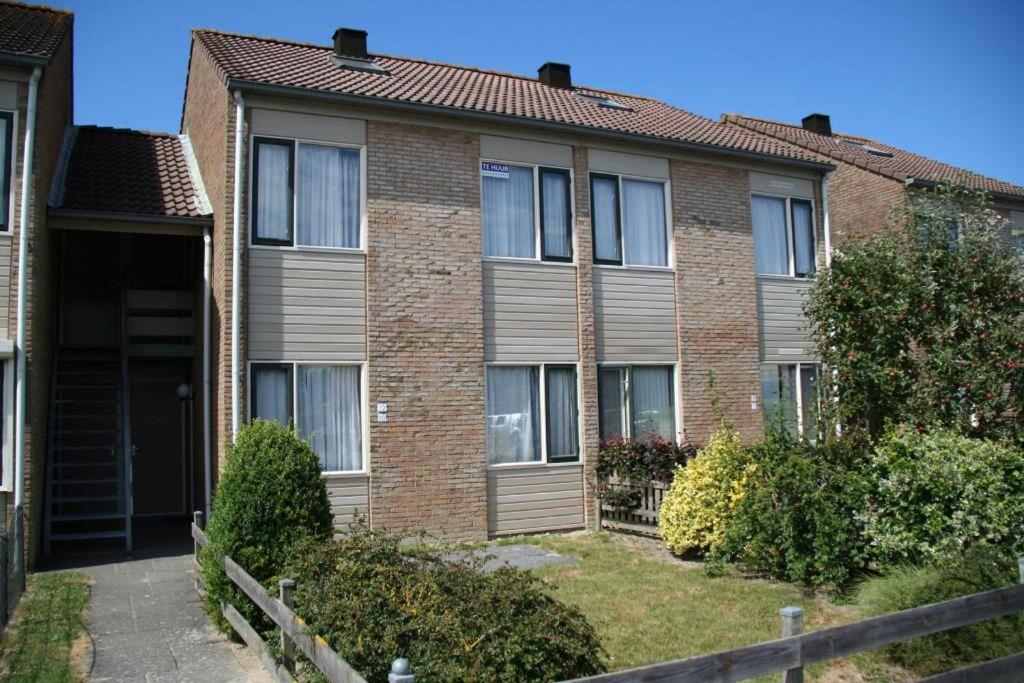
88,477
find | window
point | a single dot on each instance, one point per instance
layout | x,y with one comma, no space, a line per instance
637,401
6,152
315,201
783,236
790,394
324,403
629,218
1017,231
514,224
532,414
6,427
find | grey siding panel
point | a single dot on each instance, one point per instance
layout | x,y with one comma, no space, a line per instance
306,305
785,333
348,497
529,499
635,315
5,287
530,313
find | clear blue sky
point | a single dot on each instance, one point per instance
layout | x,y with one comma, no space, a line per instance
938,77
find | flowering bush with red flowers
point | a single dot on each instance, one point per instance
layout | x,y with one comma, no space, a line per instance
641,461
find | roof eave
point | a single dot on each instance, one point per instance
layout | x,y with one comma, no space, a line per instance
258,88
200,221
22,59
930,184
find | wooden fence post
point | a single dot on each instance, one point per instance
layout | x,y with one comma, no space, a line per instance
792,625
401,672
197,519
286,586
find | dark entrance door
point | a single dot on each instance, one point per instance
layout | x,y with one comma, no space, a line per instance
159,465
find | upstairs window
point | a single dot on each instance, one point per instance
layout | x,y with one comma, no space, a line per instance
636,402
306,195
6,151
783,236
1017,231
629,216
526,209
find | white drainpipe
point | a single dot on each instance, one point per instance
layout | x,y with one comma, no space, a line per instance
236,264
207,463
19,397
824,207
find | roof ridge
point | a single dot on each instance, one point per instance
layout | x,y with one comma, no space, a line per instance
419,60
128,131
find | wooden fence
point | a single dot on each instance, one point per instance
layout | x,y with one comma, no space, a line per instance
641,520
795,650
294,632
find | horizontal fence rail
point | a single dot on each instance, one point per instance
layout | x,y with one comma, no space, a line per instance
640,520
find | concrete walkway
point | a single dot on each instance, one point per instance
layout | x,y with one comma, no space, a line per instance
148,625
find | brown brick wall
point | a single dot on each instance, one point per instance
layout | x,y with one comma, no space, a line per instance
716,297
425,330
860,202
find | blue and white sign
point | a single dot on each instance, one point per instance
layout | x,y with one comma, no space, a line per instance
494,170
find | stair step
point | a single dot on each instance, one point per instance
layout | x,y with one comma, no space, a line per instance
83,499
107,401
84,431
87,416
105,463
88,535
94,447
87,517
75,482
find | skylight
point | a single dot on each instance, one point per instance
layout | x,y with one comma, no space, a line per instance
868,148
603,101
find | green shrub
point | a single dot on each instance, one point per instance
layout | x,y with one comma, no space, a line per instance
980,569
641,461
270,493
373,601
800,517
939,492
699,505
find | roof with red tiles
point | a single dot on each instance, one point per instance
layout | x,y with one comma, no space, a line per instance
874,156
442,87
115,170
32,30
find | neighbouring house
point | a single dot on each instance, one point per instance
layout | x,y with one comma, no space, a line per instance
871,176
455,282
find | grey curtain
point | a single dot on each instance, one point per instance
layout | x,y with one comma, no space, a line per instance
651,391
771,248
643,223
273,192
563,432
329,196
330,414
606,220
513,415
610,398
508,214
272,385
555,219
803,238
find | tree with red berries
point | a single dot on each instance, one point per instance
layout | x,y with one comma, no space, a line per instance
924,322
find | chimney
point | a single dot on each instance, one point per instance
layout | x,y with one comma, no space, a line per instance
350,42
556,75
817,123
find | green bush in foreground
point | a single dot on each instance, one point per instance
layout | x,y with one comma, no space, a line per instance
939,492
270,494
373,601
981,569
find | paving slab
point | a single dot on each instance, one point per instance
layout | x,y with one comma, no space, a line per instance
519,556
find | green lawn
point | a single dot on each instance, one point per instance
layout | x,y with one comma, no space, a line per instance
50,618
648,607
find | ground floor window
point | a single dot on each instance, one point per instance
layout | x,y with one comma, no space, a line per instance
790,394
637,401
323,401
532,414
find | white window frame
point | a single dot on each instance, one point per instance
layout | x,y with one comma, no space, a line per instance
364,400
542,388
627,403
670,258
7,436
798,366
538,244
295,246
790,242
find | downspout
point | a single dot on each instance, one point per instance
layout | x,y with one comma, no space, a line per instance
207,462
824,208
236,263
19,397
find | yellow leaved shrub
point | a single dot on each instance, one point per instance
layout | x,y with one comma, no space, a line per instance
704,494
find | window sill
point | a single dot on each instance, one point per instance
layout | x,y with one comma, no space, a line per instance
528,261
784,278
344,474
331,250
525,465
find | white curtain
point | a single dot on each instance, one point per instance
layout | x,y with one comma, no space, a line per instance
643,223
330,414
508,214
273,394
563,433
606,219
513,427
556,223
803,238
329,196
651,391
609,395
771,250
273,187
